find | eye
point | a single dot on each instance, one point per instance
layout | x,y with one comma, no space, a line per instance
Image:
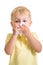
17,21
24,20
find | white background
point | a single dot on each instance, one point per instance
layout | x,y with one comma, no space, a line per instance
6,7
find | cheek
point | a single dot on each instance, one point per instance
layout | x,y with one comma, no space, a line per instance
26,24
17,24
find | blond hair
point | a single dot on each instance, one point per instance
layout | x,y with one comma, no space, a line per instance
21,10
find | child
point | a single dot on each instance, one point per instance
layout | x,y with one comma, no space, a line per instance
22,44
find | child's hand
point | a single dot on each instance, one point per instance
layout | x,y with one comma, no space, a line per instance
15,30
24,29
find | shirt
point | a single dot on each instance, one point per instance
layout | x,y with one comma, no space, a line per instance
23,53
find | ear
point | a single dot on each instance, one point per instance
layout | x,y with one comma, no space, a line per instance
11,23
30,23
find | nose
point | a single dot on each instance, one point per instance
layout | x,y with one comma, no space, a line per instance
21,23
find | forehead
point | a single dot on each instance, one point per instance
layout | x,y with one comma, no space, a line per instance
21,15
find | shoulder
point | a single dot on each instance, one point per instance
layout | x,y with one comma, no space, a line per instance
9,35
35,35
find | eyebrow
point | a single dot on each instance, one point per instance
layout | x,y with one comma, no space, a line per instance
16,18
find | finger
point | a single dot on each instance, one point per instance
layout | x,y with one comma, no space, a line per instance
22,28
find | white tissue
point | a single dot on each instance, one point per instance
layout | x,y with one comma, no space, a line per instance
20,32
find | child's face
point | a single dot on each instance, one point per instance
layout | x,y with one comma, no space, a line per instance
20,19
